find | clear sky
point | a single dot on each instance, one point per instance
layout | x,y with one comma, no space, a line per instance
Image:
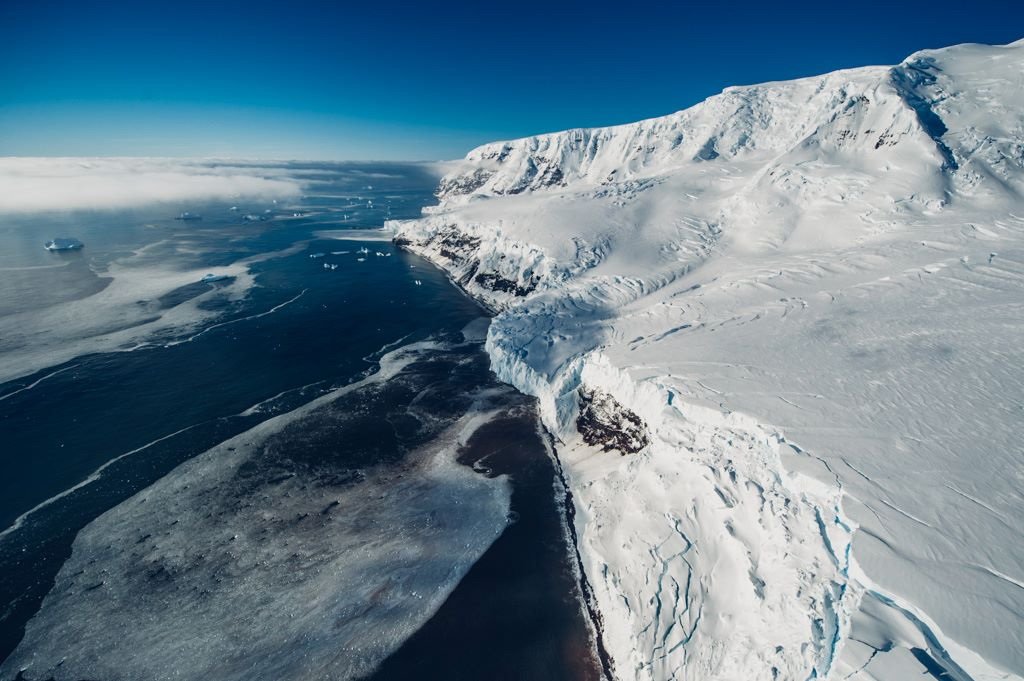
419,80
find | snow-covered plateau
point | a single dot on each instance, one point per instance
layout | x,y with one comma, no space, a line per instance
778,338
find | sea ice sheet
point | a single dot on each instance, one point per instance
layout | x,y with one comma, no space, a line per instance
308,547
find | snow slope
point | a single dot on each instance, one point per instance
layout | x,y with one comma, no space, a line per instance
802,302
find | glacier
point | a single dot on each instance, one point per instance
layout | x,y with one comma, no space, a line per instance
804,301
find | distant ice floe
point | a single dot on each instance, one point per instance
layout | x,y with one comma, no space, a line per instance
62,184
356,234
255,556
124,315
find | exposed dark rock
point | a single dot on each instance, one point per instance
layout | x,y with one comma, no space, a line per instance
604,422
709,152
551,176
461,251
540,173
496,282
526,179
454,245
463,184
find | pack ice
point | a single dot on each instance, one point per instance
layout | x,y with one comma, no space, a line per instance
778,337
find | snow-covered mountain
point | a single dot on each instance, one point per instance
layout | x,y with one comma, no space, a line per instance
778,337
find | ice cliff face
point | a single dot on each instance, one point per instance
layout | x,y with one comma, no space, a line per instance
777,335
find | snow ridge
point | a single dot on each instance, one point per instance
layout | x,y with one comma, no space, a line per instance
841,256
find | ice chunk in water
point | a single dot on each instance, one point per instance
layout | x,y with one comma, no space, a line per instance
63,244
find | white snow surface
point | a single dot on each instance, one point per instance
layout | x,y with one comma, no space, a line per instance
812,294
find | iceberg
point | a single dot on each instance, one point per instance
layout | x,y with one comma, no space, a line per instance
63,244
210,278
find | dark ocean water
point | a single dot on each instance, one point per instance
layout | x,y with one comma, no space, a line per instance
283,474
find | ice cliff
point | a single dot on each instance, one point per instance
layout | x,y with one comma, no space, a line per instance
777,337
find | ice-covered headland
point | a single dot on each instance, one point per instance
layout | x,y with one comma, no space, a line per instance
777,335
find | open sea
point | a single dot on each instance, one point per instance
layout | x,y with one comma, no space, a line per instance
302,469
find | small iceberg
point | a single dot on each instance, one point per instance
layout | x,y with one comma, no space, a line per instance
234,209
63,244
360,259
210,278
379,254
417,282
330,266
317,255
189,216
251,217
364,250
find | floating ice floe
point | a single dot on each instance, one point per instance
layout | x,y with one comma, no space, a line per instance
63,244
360,259
418,282
330,266
317,255
189,216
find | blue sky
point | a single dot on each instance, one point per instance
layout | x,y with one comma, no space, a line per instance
426,80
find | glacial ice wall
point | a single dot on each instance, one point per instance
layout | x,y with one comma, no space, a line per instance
807,292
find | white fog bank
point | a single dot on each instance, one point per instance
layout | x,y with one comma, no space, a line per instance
63,184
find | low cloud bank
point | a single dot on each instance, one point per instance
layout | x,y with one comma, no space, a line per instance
61,184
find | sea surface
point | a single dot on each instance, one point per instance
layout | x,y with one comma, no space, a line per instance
296,471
